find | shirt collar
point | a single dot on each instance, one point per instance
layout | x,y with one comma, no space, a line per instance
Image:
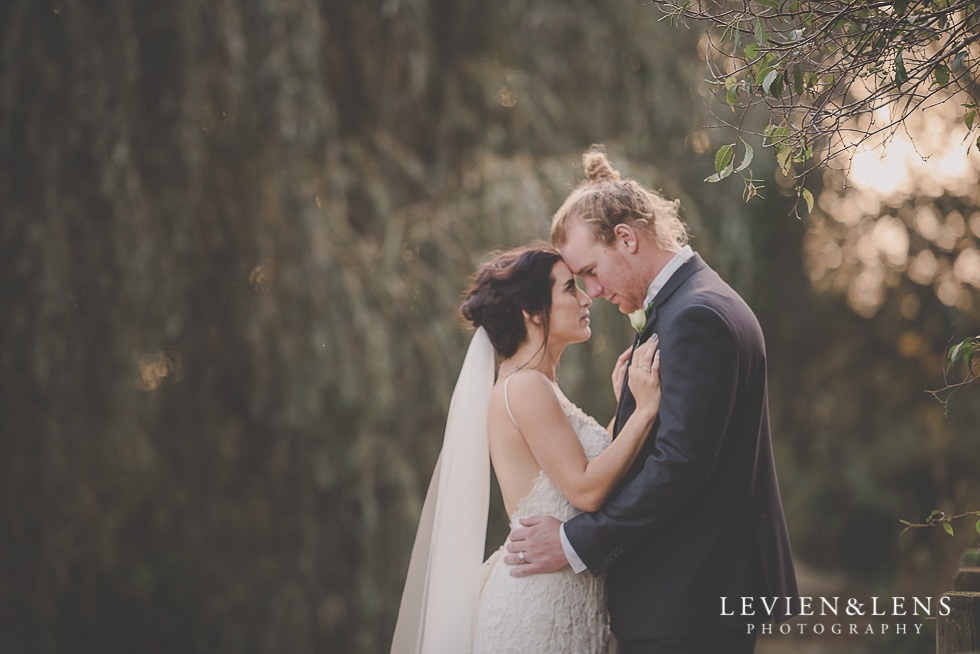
666,273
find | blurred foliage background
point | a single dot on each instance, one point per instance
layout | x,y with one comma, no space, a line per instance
233,238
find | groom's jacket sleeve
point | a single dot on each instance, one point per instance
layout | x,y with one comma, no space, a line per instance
699,372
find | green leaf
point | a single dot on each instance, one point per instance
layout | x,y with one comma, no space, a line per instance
941,73
774,131
969,118
783,155
751,51
798,80
724,163
901,75
936,513
724,156
768,80
808,197
761,34
747,159
731,90
968,351
948,527
777,87
900,7
971,348
731,96
720,175
954,354
958,60
978,143
978,526
964,350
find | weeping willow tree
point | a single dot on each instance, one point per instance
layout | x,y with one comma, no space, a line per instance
232,245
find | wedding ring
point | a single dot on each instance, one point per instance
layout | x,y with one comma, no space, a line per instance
644,369
521,557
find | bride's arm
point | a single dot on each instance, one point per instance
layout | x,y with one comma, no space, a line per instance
556,448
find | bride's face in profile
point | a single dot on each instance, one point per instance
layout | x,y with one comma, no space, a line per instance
569,308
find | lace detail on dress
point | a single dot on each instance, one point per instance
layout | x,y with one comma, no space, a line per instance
558,613
545,498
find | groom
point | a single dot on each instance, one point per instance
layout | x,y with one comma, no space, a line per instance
697,526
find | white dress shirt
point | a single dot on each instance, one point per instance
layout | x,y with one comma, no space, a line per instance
658,283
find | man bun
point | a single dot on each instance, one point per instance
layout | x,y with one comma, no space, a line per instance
603,200
597,166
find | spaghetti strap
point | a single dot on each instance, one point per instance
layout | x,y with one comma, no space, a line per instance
507,400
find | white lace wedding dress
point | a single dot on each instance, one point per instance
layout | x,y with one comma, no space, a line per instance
557,613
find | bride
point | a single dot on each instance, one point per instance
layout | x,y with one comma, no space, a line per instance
549,457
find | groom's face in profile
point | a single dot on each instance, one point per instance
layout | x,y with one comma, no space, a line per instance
607,271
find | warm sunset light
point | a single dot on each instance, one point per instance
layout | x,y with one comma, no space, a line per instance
879,207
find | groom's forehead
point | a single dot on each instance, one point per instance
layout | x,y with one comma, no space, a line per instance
581,249
576,262
583,257
581,266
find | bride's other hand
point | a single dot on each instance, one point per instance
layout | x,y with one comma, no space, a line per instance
619,372
644,380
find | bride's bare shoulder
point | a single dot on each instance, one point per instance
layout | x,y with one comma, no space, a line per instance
524,391
524,381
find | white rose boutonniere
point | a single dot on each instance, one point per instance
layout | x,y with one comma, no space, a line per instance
638,319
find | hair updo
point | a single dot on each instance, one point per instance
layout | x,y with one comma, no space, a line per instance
604,200
511,283
597,166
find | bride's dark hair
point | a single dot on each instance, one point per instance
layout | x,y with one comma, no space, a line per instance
503,288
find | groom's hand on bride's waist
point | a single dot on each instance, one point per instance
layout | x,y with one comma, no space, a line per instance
535,548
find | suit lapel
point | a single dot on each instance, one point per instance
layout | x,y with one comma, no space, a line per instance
626,402
676,280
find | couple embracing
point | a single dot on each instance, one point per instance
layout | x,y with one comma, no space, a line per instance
641,527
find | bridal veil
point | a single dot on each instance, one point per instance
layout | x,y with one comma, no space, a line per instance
442,589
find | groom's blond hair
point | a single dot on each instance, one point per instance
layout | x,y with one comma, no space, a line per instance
603,200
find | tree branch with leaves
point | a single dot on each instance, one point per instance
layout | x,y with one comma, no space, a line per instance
965,352
831,75
940,519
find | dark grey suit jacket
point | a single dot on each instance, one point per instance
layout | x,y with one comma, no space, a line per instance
698,517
